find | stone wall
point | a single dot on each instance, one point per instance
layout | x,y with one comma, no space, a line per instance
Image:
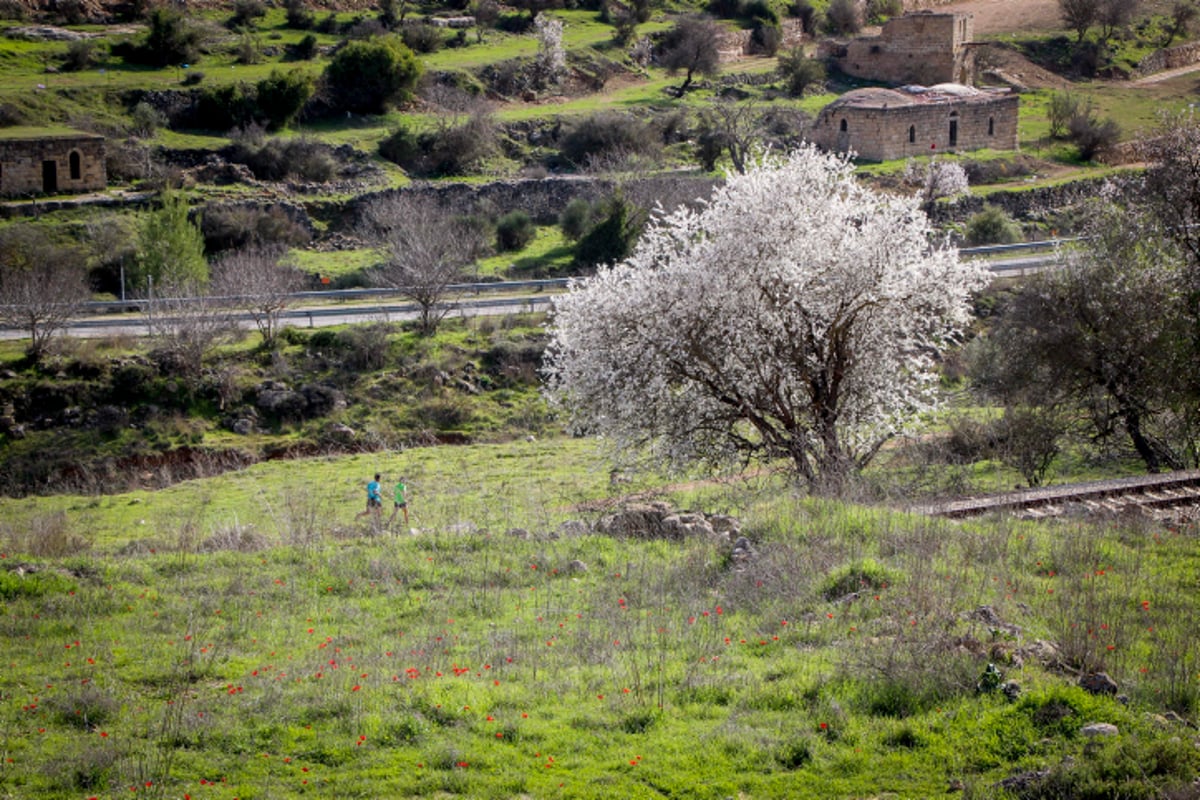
924,48
52,165
882,134
1183,55
544,199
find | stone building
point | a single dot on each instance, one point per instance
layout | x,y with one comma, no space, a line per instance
924,48
34,161
882,124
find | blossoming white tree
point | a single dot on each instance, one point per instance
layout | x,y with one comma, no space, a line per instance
795,316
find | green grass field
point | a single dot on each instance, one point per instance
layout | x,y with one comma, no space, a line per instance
246,637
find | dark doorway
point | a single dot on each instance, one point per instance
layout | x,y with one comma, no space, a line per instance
74,162
49,177
953,132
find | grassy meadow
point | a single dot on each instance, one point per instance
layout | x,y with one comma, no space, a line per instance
246,637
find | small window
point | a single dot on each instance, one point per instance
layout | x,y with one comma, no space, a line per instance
75,171
912,134
842,127
991,126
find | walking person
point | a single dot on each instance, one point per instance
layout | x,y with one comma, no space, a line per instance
374,500
401,501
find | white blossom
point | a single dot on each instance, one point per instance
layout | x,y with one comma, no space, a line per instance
795,316
551,59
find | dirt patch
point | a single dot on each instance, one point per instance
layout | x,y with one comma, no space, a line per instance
993,17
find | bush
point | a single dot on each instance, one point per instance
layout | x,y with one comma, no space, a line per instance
1063,106
146,119
81,54
306,49
841,18
992,226
759,10
247,50
370,76
1090,134
608,134
612,238
277,159
281,95
456,150
234,227
800,72
865,574
881,10
192,77
299,16
575,218
220,108
804,11
245,13
172,39
766,37
422,38
514,231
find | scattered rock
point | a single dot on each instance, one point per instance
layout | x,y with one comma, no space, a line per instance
743,553
518,533
988,616
577,566
462,527
1094,729
656,520
338,432
1024,780
1011,690
242,426
572,527
955,785
1041,651
1171,716
1098,683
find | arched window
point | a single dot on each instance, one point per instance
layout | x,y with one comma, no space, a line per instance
842,127
912,133
991,126
75,171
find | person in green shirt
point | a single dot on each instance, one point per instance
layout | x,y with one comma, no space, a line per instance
400,501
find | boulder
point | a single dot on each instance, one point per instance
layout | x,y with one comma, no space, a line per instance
1098,683
572,527
1094,729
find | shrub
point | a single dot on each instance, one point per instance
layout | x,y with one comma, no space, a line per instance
247,50
514,231
299,15
192,77
220,108
422,38
455,150
606,134
171,39
81,54
1063,106
237,226
804,11
800,72
304,158
992,225
369,76
841,18
245,12
575,218
1090,134
282,94
881,10
766,37
306,49
865,574
364,347
146,119
612,238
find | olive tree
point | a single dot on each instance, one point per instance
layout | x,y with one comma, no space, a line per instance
692,46
796,316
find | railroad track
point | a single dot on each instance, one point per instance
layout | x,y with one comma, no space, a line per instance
1171,496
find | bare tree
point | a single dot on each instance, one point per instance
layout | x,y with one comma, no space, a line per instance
1079,15
256,280
184,324
693,47
426,248
732,127
41,286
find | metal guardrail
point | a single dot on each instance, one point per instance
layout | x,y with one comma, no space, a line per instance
492,287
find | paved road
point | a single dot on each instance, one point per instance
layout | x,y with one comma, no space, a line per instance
312,315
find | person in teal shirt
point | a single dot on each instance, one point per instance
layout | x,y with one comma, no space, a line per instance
400,501
374,500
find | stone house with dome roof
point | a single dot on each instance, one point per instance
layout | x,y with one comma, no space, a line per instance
880,124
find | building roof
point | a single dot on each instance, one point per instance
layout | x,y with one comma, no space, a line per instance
35,133
912,95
